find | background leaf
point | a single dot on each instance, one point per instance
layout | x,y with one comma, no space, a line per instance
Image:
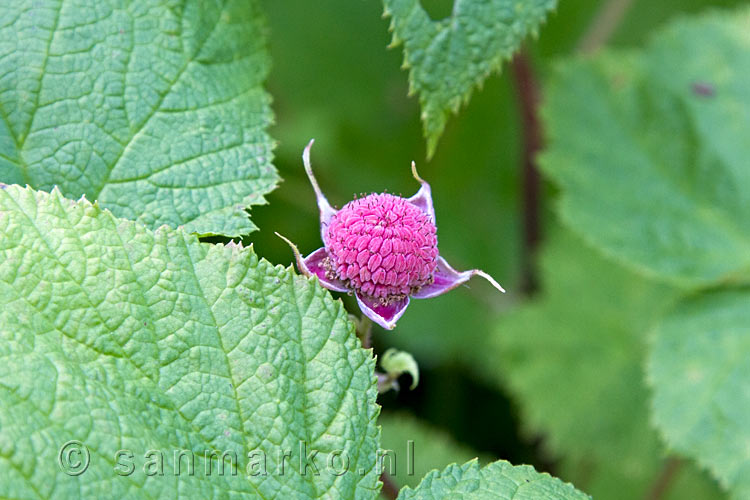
497,481
125,338
700,372
650,149
154,108
573,359
448,58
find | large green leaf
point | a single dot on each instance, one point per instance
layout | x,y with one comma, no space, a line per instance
497,481
153,107
651,150
700,372
573,359
449,57
124,338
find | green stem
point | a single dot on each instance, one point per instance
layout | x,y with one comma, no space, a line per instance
386,382
605,22
364,331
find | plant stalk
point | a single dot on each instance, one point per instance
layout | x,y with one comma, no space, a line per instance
663,481
528,99
605,22
364,332
390,489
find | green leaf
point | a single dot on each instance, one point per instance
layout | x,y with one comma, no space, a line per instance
651,151
497,481
448,58
573,360
156,109
124,338
700,372
416,448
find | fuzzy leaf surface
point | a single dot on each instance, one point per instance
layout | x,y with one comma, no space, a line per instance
448,58
125,338
497,481
154,108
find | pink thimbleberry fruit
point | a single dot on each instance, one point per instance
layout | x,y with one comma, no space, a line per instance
382,246
383,249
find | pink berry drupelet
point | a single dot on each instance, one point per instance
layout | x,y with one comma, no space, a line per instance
383,248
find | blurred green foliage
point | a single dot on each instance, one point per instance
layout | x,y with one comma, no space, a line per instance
662,184
418,448
574,359
700,371
333,79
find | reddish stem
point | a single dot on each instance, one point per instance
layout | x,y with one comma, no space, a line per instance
390,490
528,99
664,480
